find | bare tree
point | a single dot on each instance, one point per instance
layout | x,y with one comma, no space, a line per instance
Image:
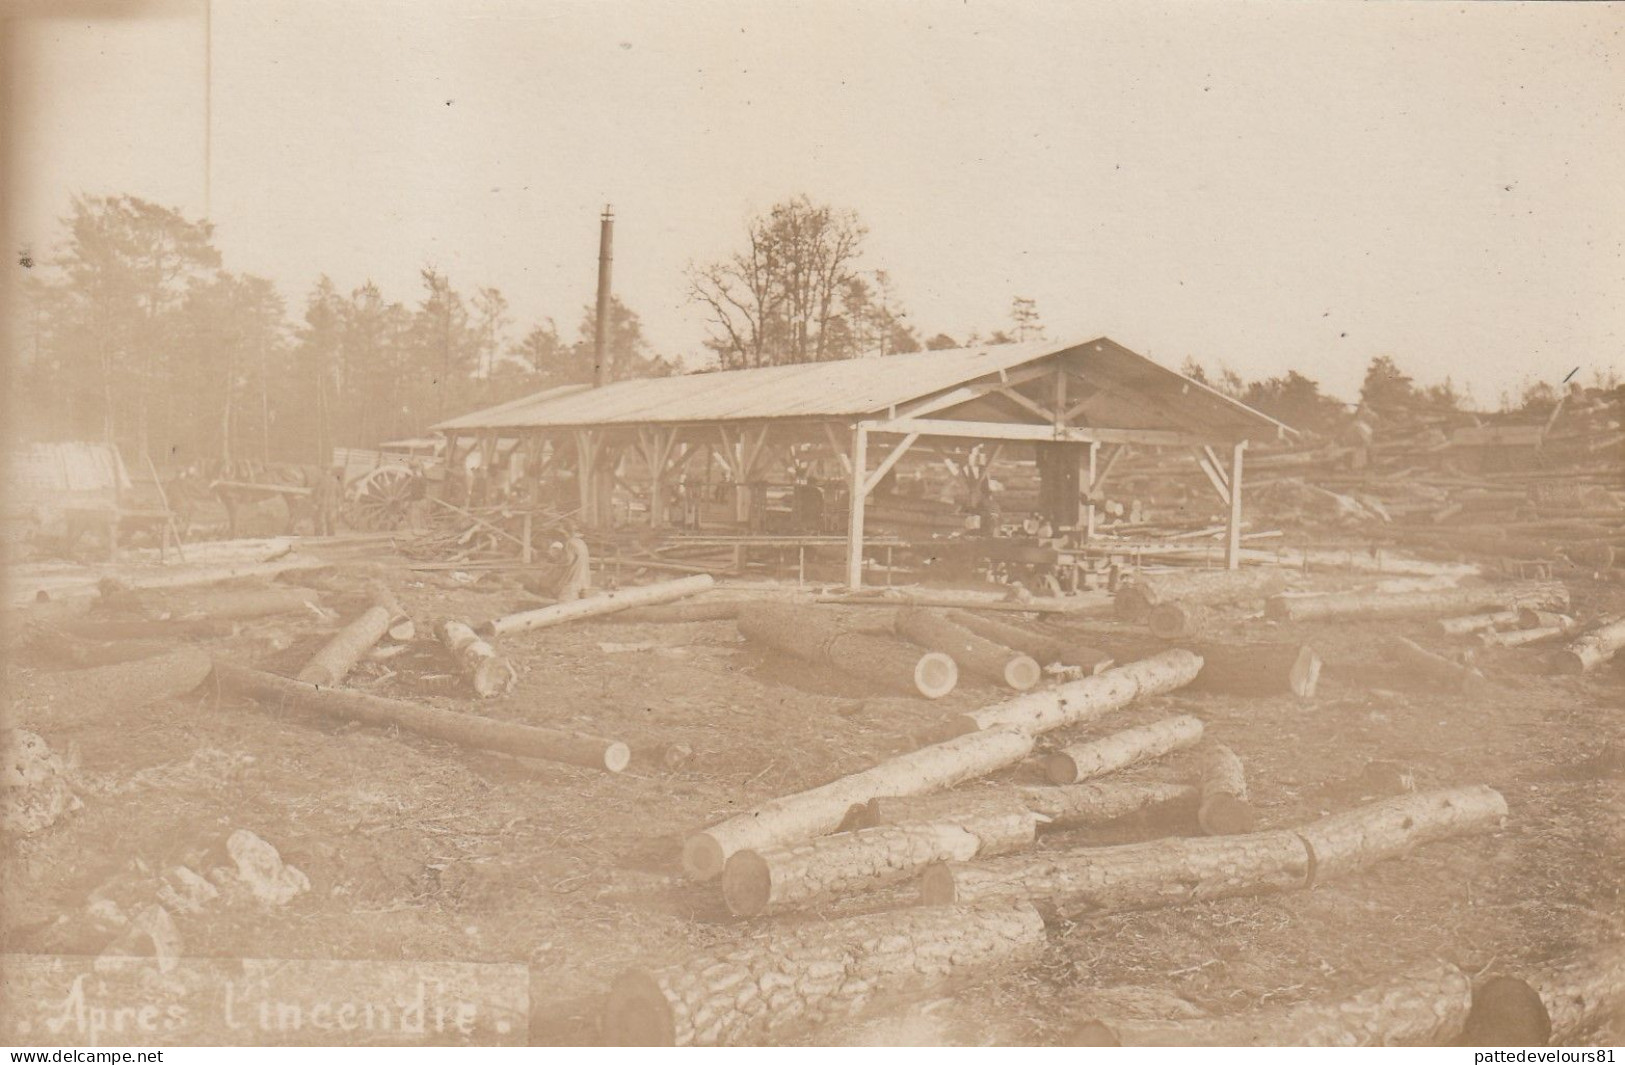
776,300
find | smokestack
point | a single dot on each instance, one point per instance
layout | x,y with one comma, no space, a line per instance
600,348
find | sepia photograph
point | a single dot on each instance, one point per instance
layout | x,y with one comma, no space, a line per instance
783,523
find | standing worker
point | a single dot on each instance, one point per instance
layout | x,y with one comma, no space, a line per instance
324,501
577,577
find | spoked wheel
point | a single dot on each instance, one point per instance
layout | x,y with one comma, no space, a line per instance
378,501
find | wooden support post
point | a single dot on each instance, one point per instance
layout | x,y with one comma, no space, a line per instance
1089,511
1232,547
526,554
854,521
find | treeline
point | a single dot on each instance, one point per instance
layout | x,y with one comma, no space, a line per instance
137,332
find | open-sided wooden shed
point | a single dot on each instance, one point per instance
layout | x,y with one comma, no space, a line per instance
1092,399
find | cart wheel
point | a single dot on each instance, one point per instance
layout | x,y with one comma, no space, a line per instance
378,501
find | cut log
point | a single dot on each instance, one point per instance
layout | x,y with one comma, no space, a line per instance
401,625
107,693
1078,805
488,672
782,878
1042,646
1520,637
142,629
950,806
1135,876
1411,604
932,630
669,613
1574,997
1437,670
763,990
1591,650
1080,701
1224,809
468,730
239,604
340,654
1178,621
1428,1008
821,810
63,649
1469,623
1346,842
817,635
1258,669
1171,872
598,605
1136,596
1081,761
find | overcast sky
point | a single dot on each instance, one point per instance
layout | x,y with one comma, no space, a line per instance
1270,185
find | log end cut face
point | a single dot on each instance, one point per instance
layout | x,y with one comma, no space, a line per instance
935,675
1023,673
1507,1012
637,1013
703,856
617,756
747,884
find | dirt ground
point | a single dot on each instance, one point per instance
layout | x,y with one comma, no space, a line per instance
422,850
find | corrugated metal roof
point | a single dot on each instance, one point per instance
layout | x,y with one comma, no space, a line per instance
854,388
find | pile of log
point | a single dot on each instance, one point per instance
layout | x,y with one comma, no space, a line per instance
1172,872
935,631
819,637
1178,603
756,991
1593,648
988,740
1043,647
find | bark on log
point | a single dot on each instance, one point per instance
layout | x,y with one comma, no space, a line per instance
1134,876
468,730
1081,761
759,991
1347,842
1178,621
1469,623
1420,1009
1592,649
1088,699
1224,809
669,613
597,605
816,635
1529,618
1078,805
1136,596
932,630
340,654
1258,669
1410,604
782,878
66,700
1437,670
792,818
1042,646
488,672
